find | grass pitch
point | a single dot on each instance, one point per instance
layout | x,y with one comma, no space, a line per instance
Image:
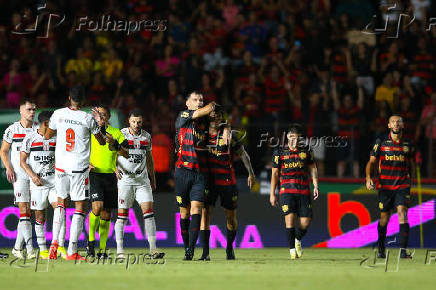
268,268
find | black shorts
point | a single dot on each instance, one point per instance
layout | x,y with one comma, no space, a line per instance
299,204
103,187
190,186
388,199
228,195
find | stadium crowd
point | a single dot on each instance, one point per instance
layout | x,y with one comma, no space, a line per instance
316,62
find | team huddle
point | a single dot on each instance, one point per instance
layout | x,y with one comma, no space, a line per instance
72,155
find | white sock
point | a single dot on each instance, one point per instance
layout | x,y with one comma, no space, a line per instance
150,229
119,231
26,229
61,241
58,221
75,231
40,235
20,240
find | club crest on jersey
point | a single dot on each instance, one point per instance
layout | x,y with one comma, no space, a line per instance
406,149
137,144
303,155
185,115
46,146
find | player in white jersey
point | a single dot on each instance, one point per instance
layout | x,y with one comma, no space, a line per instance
12,140
37,160
134,183
73,129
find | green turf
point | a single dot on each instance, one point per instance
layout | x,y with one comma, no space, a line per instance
253,269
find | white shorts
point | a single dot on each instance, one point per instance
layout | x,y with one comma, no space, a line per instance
128,193
21,190
40,198
76,185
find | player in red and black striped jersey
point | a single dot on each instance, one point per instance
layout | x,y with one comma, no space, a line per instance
191,167
223,144
393,157
291,167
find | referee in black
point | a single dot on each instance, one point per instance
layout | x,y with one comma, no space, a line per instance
103,182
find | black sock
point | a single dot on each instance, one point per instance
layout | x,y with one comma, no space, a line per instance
204,238
291,237
194,228
231,234
381,236
300,233
404,235
184,228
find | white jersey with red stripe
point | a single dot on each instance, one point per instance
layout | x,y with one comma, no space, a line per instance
134,168
41,158
15,135
73,138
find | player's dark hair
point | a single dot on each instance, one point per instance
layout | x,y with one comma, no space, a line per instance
191,93
44,116
105,107
295,129
77,94
135,113
27,100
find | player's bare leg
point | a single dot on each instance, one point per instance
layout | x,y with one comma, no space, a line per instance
232,225
150,229
290,229
76,230
25,227
206,215
404,231
58,221
61,239
94,222
382,229
300,233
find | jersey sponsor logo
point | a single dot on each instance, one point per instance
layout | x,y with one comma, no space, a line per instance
293,165
395,158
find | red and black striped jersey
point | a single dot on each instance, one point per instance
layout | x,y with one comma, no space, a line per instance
293,168
394,166
220,158
275,96
348,121
191,141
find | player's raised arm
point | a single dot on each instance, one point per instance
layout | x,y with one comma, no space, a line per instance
204,111
4,154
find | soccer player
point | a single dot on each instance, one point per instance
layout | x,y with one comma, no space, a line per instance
395,167
12,141
103,182
137,181
223,144
191,138
37,160
73,128
291,167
